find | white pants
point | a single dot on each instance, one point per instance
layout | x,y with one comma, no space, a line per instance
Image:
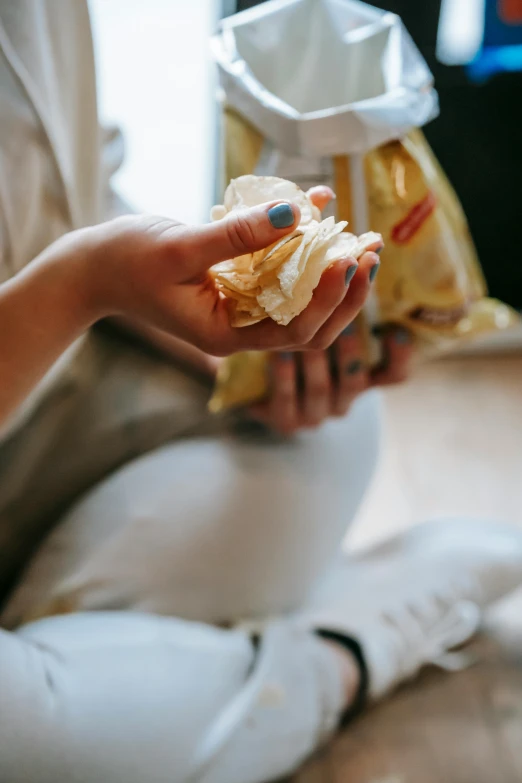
212,531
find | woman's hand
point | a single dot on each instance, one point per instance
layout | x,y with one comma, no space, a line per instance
156,271
308,388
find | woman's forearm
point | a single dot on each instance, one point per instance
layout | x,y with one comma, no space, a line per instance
43,310
47,306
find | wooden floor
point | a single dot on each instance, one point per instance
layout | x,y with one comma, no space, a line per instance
453,445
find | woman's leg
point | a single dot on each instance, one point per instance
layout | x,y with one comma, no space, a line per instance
228,527
212,530
127,698
111,404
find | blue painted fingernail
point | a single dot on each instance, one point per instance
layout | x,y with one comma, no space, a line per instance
281,216
350,272
402,336
379,250
286,356
373,272
348,330
354,367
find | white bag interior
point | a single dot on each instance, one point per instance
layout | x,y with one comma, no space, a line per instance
323,77
314,57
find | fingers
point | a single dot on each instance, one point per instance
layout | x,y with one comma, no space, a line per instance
353,301
317,387
335,303
320,196
398,355
331,292
240,232
294,405
305,391
319,324
281,411
352,377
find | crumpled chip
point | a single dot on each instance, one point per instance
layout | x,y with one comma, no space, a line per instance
278,282
249,191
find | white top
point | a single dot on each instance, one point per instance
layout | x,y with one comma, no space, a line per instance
53,176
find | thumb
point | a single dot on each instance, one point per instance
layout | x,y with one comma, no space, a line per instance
239,232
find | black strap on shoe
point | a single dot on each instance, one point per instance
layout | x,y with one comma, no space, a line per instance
353,647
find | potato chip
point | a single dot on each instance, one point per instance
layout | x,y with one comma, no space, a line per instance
291,270
318,261
242,283
272,260
348,245
240,318
249,191
279,281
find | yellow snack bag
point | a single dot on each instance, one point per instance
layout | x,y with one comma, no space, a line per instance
330,93
430,281
241,379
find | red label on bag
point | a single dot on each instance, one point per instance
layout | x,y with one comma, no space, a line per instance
510,11
408,227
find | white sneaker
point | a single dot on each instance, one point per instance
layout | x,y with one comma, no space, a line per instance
412,599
